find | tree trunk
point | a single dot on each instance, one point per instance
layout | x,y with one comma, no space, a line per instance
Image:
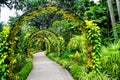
112,18
0,12
118,7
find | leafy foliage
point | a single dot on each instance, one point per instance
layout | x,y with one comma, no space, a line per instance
62,44
20,49
110,61
82,56
51,38
24,72
12,20
23,38
76,43
3,54
1,26
63,28
77,71
118,29
93,46
95,13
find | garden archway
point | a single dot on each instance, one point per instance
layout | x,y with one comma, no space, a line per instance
50,33
30,15
44,39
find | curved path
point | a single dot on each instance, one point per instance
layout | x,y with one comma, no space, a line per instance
46,69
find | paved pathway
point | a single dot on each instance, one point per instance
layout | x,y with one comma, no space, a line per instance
46,69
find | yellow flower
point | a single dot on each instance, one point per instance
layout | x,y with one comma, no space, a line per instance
52,9
77,54
13,61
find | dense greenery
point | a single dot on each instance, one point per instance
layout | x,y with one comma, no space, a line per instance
3,54
77,34
24,72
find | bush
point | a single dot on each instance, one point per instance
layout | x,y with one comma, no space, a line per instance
20,62
65,55
4,52
110,60
75,44
79,58
22,75
79,72
75,71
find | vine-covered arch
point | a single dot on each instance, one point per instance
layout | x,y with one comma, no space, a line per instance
30,15
44,39
50,33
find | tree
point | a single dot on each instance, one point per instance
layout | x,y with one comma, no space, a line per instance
63,28
112,18
12,20
118,7
0,11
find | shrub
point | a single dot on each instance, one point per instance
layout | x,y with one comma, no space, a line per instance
78,58
79,72
22,75
20,62
65,55
75,71
75,44
3,52
118,28
110,60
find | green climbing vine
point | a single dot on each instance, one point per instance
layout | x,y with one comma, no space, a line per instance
47,45
93,46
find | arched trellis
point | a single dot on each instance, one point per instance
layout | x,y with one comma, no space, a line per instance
50,33
30,15
44,39
37,34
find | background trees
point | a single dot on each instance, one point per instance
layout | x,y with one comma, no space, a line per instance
118,8
112,18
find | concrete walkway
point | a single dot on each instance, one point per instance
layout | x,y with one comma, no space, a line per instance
46,69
